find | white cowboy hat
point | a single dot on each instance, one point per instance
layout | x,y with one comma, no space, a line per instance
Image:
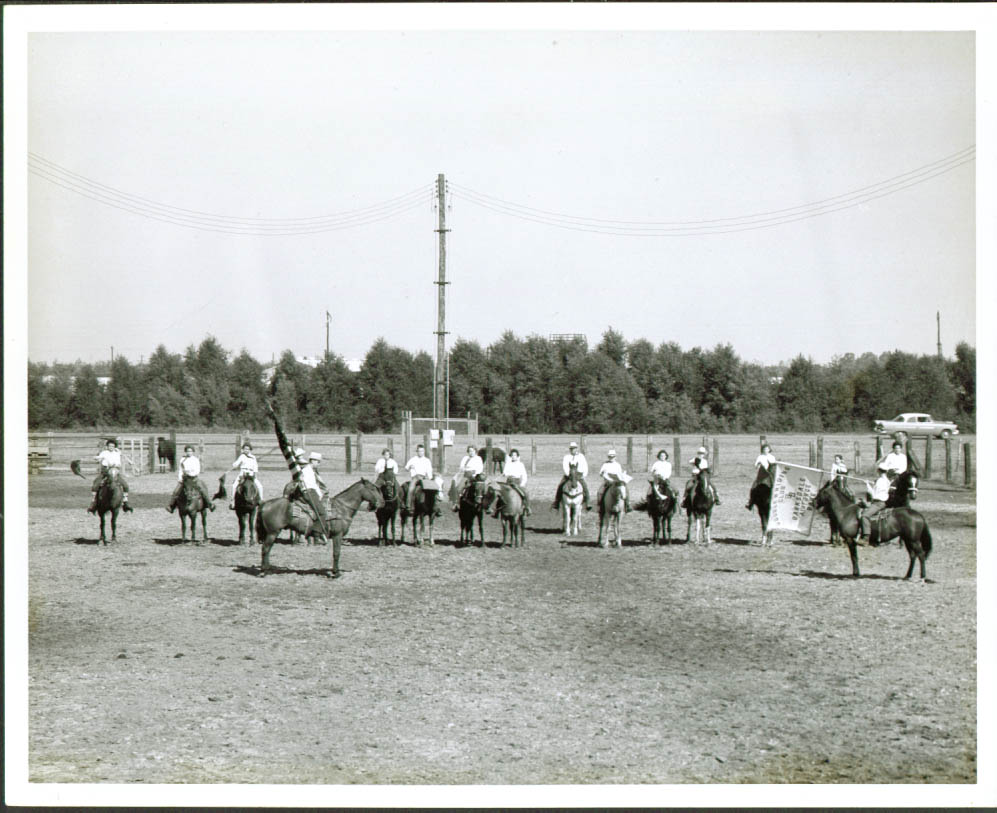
316,456
702,450
610,453
299,454
572,445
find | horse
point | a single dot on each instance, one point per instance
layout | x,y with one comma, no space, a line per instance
388,485
906,523
660,506
610,511
470,507
904,490
110,495
760,497
511,516
572,496
279,513
498,458
698,504
424,506
190,503
247,503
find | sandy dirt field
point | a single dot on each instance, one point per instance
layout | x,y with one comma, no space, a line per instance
152,661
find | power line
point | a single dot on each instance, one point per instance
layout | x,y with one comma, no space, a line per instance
633,228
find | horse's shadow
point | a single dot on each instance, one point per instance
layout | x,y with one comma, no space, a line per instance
273,570
81,540
226,543
732,541
818,574
174,541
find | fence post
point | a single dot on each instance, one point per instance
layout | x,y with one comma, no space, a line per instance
533,455
153,455
912,456
508,445
927,457
948,460
820,451
967,460
359,451
391,446
173,440
488,454
879,449
630,453
428,443
200,449
650,453
582,445
857,467
349,454
762,440
813,455
676,454
716,456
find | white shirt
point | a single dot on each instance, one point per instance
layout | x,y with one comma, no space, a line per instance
390,464
515,468
111,459
472,465
838,468
895,462
309,479
700,463
662,469
190,466
420,467
611,467
881,490
247,464
575,459
764,460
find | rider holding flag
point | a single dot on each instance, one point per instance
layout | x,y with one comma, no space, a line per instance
109,465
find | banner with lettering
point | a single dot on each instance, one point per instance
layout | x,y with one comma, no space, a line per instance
793,491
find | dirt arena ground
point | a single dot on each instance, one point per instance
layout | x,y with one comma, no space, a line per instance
152,661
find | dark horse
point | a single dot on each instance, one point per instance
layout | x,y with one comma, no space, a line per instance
661,506
511,513
110,495
906,523
247,503
190,503
424,506
698,505
279,513
470,507
388,485
760,497
610,511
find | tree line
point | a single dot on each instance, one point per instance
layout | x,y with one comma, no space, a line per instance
514,385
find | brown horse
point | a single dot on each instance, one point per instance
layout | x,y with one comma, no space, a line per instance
247,503
760,497
660,506
388,484
470,507
424,506
511,514
279,513
906,523
610,510
698,504
190,503
110,495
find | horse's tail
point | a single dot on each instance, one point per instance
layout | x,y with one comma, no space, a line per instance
640,505
926,540
261,528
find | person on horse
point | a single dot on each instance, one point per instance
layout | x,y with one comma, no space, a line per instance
471,468
576,459
839,474
895,462
701,465
611,471
385,463
661,471
419,468
763,464
880,493
248,466
191,467
310,485
515,477
109,465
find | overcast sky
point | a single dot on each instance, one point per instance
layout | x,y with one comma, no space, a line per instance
569,156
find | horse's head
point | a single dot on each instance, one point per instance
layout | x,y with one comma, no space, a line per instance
822,500
371,494
474,491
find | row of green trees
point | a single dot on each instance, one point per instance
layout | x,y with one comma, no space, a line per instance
529,385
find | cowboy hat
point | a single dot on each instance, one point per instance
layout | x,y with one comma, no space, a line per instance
316,456
611,453
299,454
702,450
572,445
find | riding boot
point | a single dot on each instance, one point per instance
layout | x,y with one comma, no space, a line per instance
125,506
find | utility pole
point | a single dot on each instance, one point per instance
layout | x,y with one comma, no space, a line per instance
328,319
439,384
938,318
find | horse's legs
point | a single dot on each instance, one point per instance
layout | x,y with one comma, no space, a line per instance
204,524
337,541
103,540
114,524
854,555
266,543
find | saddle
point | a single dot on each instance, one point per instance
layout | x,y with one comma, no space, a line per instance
513,483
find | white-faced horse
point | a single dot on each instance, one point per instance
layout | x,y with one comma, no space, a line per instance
572,496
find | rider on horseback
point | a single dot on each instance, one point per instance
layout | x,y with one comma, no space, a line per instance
576,459
839,472
515,477
385,463
880,493
610,472
248,466
109,460
471,468
763,463
189,466
419,468
661,471
700,468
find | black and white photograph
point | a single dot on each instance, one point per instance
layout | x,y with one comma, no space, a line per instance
481,405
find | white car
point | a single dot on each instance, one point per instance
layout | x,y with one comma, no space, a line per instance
917,423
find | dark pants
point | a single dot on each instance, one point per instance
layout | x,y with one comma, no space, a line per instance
410,499
557,494
667,485
871,510
200,487
100,478
842,485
